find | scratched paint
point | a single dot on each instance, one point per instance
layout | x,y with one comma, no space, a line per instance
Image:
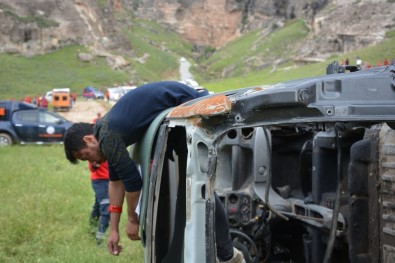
215,105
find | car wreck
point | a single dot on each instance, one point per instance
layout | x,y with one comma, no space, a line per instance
305,170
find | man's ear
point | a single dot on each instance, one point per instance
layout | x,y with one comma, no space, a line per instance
89,139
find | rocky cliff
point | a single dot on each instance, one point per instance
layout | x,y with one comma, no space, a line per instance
335,25
38,26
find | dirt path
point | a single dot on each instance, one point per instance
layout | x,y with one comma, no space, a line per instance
86,110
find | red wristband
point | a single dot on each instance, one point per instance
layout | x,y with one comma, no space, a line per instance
115,209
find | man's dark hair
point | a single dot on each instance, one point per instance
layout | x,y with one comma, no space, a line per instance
73,139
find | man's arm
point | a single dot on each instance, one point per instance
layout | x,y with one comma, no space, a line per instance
116,192
123,170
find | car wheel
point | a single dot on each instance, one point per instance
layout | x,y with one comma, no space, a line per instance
5,139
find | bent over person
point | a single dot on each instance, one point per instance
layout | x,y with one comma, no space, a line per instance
108,140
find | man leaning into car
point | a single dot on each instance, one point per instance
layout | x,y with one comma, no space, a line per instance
108,140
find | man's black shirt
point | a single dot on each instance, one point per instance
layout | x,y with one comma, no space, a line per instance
128,120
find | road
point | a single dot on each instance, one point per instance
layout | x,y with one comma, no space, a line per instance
184,69
86,110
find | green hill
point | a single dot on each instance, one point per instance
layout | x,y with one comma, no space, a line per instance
247,61
281,46
32,76
372,55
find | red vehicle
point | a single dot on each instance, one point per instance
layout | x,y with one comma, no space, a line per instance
92,93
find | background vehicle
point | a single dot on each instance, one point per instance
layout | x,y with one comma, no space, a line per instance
304,168
61,99
92,93
26,124
48,96
116,93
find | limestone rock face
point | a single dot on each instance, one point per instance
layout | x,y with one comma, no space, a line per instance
336,25
39,26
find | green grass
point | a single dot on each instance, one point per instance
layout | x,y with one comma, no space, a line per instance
289,71
32,76
41,22
45,210
252,51
163,46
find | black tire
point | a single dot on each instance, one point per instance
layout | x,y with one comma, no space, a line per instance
5,139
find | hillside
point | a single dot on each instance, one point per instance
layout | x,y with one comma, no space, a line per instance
334,25
49,43
40,26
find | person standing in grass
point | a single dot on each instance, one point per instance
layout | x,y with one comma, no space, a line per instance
108,139
100,217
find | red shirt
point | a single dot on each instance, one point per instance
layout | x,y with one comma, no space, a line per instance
100,172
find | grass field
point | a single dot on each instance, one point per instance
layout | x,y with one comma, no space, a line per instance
288,71
45,209
33,76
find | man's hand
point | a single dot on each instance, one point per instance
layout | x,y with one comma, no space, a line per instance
132,226
116,193
132,230
113,247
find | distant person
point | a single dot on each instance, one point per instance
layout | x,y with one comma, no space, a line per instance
347,62
100,216
98,116
27,99
386,62
73,97
367,65
108,139
42,102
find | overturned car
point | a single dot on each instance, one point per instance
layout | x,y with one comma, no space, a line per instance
305,170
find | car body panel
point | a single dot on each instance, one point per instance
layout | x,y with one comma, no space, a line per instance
298,165
39,126
143,154
307,99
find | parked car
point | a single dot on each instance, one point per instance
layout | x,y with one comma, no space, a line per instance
61,99
24,123
48,96
305,170
92,93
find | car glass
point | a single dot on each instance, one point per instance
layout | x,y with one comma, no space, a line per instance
26,116
58,116
48,118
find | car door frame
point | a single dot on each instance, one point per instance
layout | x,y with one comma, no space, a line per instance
27,131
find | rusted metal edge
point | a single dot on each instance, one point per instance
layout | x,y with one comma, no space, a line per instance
214,105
